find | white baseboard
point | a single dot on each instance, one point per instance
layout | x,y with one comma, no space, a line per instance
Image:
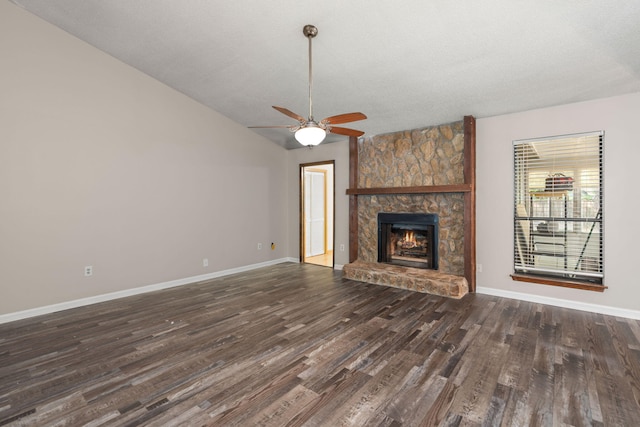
10,317
594,308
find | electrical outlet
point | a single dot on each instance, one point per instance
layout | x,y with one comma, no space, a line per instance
205,262
88,270
259,246
342,247
479,268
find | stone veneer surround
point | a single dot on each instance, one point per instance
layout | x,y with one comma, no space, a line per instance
431,156
428,156
449,208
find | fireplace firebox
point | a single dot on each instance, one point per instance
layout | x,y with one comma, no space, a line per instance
409,239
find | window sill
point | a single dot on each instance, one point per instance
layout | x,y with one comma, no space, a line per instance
558,282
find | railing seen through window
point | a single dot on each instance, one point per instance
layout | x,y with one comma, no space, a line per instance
558,217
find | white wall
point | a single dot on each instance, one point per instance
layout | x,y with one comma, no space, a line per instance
338,151
101,165
618,117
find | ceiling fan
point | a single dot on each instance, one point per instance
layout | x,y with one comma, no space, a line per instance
308,131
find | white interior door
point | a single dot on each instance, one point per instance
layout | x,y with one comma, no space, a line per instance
315,213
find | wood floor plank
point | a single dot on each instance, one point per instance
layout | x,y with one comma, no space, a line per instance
298,345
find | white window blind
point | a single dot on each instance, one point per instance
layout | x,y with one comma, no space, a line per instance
558,218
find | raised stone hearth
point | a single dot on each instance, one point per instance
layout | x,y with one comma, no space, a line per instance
414,279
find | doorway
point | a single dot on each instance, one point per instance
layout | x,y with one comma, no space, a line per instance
317,213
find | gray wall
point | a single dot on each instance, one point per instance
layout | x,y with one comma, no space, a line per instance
618,117
101,165
338,151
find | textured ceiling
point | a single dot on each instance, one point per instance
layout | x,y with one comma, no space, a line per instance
404,64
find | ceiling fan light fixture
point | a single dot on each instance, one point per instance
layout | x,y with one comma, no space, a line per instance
310,135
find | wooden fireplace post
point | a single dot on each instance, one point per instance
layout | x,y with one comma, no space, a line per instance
469,169
353,199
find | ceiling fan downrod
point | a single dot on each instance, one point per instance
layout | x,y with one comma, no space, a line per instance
310,31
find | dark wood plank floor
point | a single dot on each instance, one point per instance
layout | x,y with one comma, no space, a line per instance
297,345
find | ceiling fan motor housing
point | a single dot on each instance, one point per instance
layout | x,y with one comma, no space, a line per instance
310,31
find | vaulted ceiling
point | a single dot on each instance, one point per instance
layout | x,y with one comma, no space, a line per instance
405,64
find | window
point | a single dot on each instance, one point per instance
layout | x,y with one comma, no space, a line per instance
558,218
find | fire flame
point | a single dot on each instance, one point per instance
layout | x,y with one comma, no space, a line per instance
409,240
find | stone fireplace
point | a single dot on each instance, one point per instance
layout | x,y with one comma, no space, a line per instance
408,175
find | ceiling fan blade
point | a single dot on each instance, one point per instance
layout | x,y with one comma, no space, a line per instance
343,118
344,131
291,114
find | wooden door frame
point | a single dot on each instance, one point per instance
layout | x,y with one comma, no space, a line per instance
301,218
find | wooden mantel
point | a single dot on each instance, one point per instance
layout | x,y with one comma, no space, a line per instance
468,188
424,189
